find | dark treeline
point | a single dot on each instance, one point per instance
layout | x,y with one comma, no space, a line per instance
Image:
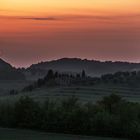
131,79
52,78
128,78
111,116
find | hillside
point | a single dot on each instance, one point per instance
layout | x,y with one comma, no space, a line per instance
80,101
4,65
75,65
59,86
53,79
7,72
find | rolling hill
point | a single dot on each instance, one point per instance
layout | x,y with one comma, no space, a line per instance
125,84
7,72
76,65
4,65
59,86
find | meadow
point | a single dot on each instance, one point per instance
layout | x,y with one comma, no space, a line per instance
84,93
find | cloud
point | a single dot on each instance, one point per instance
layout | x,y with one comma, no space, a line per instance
38,18
27,17
73,17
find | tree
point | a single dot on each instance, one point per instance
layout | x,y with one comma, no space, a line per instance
27,113
83,74
110,103
50,75
56,75
78,76
40,82
13,92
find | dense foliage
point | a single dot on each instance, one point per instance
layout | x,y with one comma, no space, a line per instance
58,79
112,116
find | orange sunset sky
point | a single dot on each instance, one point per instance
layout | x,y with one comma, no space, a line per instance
39,30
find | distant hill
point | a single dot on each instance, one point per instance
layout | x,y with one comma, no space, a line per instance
75,65
7,72
4,65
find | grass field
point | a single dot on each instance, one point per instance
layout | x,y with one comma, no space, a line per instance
14,134
84,93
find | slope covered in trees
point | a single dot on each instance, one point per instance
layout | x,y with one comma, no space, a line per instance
53,79
75,65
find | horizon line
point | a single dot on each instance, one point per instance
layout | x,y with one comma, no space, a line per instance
78,58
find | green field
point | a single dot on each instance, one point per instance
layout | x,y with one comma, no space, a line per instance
14,134
84,93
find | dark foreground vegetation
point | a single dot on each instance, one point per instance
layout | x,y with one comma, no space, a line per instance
112,116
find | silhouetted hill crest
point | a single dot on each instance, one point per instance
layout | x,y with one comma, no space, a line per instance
7,72
4,65
75,65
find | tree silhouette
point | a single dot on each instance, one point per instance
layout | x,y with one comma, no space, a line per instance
83,74
50,75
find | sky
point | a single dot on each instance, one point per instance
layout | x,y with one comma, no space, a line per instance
40,30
